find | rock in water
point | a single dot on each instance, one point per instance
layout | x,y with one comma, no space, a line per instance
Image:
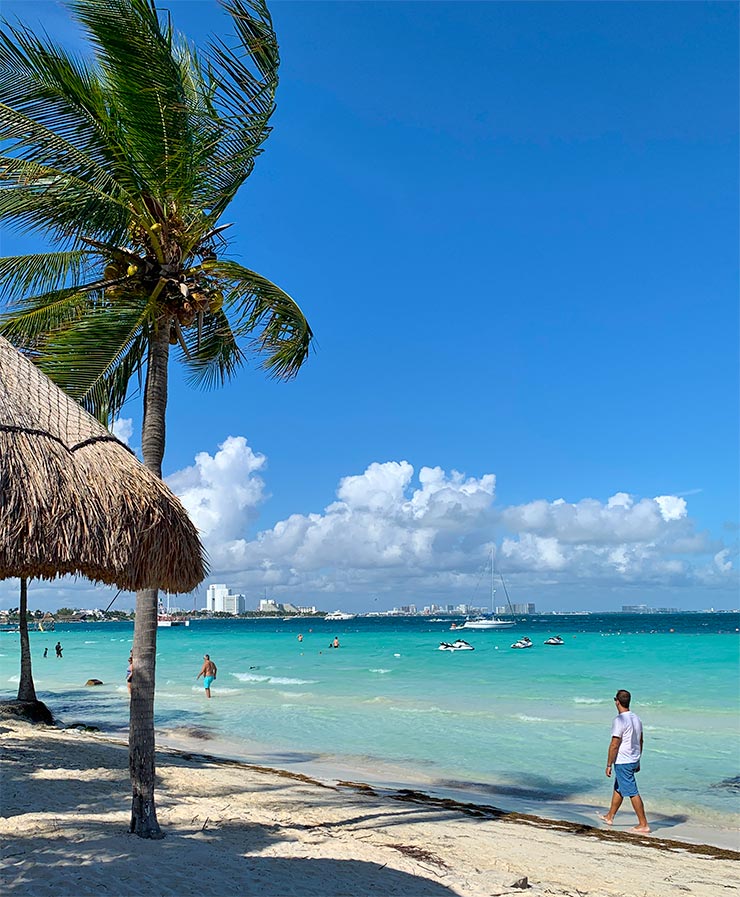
93,682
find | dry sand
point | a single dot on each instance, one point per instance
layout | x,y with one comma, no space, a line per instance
236,829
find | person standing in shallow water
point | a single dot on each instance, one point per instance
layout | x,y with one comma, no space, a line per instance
58,649
208,672
625,751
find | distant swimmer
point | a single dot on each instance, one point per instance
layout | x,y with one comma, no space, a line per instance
625,752
335,643
130,672
46,652
300,637
208,673
58,649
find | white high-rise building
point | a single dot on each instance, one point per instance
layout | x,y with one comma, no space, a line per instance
220,600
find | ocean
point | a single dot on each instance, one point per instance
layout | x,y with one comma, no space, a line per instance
524,730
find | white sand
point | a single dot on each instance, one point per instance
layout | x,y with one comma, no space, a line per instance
239,830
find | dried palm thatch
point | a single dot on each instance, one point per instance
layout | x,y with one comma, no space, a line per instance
74,499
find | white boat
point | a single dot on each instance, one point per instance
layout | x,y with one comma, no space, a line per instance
554,640
165,619
458,645
336,615
492,622
524,642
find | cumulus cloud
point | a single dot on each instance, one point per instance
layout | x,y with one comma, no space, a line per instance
389,527
222,492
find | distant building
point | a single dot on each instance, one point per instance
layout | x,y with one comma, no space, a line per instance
517,609
644,609
303,609
221,600
268,606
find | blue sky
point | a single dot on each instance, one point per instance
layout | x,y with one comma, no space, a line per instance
514,229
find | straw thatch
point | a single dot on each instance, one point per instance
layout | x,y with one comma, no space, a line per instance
74,499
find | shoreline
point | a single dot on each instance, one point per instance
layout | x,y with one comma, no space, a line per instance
234,827
389,779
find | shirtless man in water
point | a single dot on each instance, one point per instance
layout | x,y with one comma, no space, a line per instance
208,673
625,750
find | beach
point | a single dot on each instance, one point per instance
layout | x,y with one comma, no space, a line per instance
235,828
523,731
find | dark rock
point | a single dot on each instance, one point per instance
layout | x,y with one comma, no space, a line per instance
94,682
732,784
31,711
82,727
521,883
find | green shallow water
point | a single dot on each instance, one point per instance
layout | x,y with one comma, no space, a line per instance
518,728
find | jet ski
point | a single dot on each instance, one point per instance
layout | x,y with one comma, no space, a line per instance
555,640
459,645
524,642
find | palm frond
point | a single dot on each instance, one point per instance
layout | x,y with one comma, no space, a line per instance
273,321
93,359
144,80
213,355
54,111
244,85
40,198
47,271
32,318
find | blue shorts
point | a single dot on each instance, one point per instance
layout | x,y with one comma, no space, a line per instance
624,778
207,681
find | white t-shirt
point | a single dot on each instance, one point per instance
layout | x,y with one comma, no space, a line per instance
628,727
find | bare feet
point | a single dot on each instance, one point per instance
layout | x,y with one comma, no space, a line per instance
641,829
606,819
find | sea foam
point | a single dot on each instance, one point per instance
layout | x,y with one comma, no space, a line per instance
272,680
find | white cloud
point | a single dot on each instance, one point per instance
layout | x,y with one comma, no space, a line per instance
424,536
671,507
378,522
123,429
621,519
389,529
222,492
721,562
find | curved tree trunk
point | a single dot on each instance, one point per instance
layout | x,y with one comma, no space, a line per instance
26,690
141,725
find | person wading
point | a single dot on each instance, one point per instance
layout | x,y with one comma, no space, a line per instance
208,673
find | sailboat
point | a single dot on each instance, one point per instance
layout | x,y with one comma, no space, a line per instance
492,622
165,618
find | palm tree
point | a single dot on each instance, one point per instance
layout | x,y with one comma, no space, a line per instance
127,164
26,688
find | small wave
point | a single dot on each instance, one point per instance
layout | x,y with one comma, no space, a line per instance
91,643
272,680
418,710
589,701
14,679
531,719
380,670
221,691
294,694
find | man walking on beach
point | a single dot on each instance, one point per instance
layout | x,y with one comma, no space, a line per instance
208,673
625,750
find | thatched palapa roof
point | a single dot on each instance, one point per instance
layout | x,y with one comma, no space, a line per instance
74,499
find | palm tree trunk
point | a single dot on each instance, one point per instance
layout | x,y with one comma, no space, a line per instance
26,690
141,725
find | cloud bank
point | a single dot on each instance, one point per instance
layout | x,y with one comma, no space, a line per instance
392,530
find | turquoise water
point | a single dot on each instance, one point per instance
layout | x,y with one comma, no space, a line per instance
515,728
